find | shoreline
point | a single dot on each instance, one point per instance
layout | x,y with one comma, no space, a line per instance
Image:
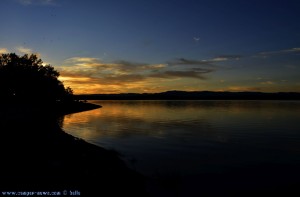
255,179
193,95
39,155
75,107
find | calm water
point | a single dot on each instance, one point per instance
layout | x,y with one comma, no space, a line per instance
200,148
193,137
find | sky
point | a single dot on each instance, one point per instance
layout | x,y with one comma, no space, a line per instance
122,46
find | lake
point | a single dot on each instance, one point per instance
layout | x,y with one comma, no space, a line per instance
176,142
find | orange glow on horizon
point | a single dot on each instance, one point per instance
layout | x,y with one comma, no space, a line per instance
88,85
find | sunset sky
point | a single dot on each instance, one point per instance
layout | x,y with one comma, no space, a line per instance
119,46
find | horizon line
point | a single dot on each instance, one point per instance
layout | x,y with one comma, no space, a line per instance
189,92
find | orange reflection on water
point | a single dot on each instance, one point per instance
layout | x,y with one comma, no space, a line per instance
81,117
123,118
160,119
76,124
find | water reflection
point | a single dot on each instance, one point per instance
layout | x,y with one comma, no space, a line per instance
193,137
124,119
158,118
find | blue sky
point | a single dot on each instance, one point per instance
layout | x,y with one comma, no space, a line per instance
152,46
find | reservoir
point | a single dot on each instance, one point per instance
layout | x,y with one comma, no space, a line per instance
184,140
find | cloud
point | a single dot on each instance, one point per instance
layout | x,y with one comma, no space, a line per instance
184,61
279,52
223,58
242,88
180,74
94,66
126,70
267,83
81,59
209,62
219,59
3,50
124,79
37,2
24,50
79,72
126,66
19,49
293,50
105,84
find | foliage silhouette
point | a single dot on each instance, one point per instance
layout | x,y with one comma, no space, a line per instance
37,154
25,78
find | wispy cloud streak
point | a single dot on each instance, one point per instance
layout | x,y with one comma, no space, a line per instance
181,74
208,62
184,61
285,51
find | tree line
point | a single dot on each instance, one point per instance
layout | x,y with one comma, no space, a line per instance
25,78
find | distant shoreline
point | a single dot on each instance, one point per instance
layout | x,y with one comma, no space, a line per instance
196,95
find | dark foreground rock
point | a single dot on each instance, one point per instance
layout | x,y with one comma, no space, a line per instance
37,155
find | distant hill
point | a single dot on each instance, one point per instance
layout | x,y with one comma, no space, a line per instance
195,95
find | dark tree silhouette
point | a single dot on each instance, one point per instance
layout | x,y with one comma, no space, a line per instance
24,78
